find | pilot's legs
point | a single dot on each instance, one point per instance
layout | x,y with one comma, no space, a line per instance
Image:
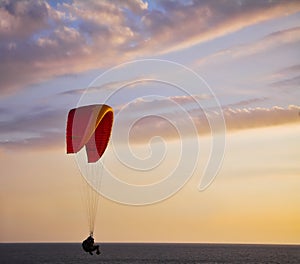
96,248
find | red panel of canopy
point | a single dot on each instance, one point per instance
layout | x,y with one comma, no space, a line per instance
89,126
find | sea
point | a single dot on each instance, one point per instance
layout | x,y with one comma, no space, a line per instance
148,253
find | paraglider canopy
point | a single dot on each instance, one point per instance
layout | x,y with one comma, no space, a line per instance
89,126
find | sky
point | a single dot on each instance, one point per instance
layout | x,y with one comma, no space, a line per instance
205,142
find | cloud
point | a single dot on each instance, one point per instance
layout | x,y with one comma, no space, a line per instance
286,79
40,41
44,141
287,83
271,41
247,118
113,85
144,119
236,119
162,105
283,73
34,128
243,103
45,128
186,25
15,15
267,43
290,70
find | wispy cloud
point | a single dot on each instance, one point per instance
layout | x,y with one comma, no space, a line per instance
236,119
245,103
246,118
40,128
271,41
290,70
40,41
287,83
113,85
285,79
283,73
146,119
164,124
44,141
46,129
267,43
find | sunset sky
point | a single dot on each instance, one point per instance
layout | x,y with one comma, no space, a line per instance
205,143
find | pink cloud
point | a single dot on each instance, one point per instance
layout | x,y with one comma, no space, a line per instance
269,42
236,119
45,129
20,19
247,118
39,41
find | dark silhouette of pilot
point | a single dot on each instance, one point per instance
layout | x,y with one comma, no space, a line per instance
89,246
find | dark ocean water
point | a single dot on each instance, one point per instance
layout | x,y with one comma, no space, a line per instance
149,253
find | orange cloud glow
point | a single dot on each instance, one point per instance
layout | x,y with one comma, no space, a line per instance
235,119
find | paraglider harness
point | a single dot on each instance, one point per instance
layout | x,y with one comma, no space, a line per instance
88,245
